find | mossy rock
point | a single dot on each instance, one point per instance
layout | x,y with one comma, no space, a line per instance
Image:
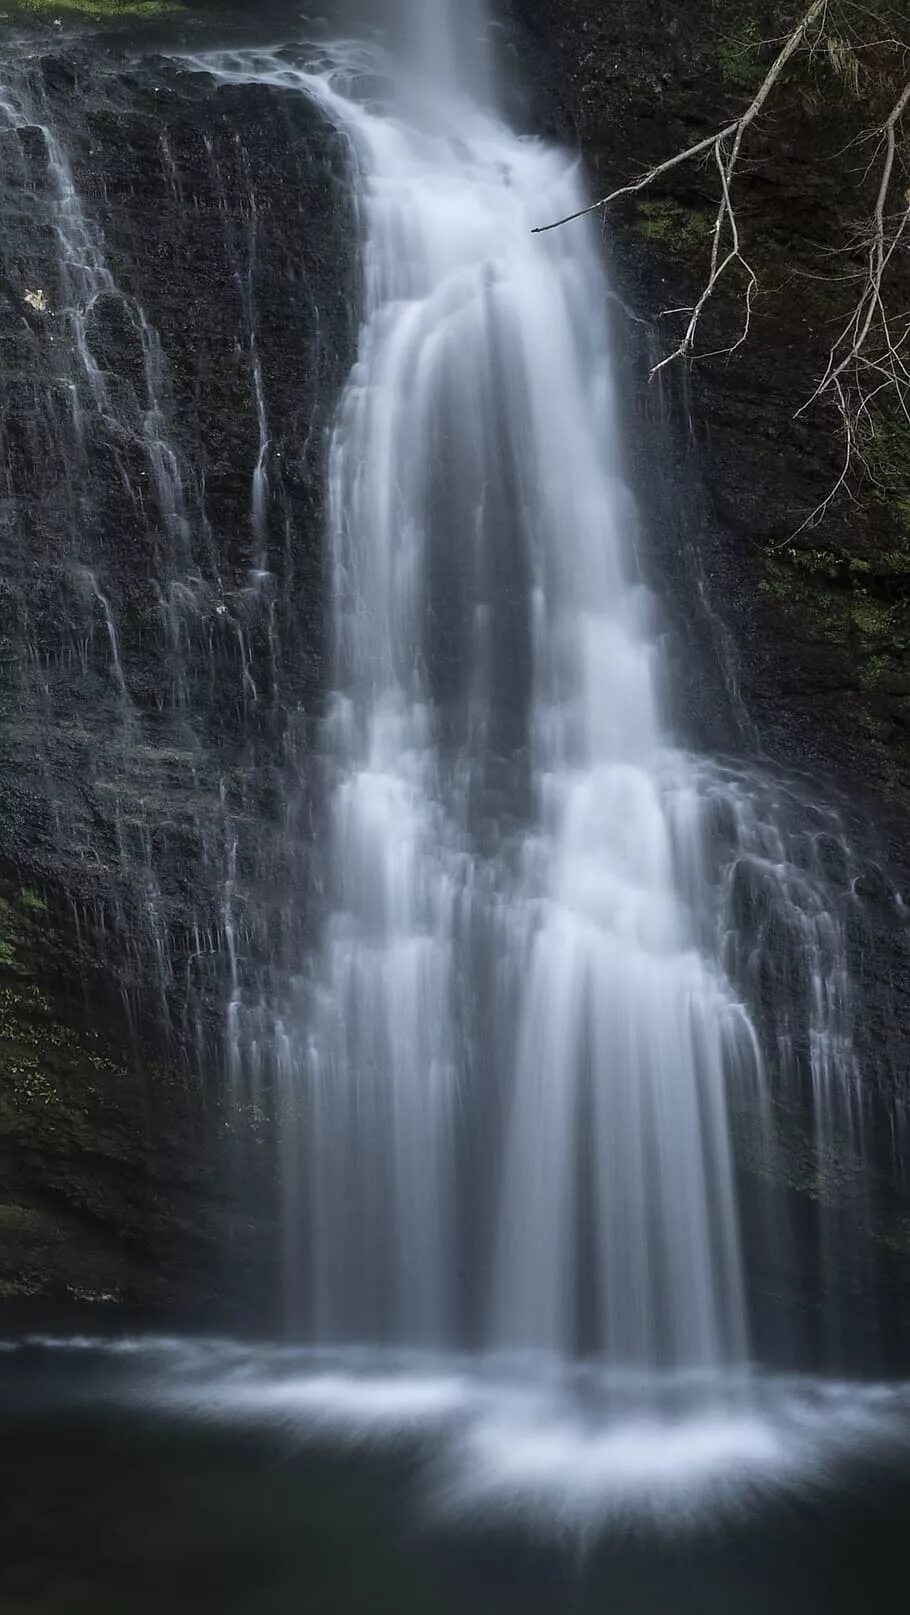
835,1177
679,230
857,603
31,901
739,57
93,10
779,1147
113,1163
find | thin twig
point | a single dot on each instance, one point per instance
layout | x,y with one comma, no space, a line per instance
737,128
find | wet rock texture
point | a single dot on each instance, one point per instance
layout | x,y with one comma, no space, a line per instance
161,627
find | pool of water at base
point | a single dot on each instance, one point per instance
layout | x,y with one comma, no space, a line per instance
149,1475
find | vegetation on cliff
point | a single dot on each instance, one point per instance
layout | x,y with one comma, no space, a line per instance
95,9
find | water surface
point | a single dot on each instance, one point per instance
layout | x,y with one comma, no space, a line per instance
190,1475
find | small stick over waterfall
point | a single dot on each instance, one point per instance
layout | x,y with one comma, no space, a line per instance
867,364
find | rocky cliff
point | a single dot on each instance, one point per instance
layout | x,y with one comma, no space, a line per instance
175,285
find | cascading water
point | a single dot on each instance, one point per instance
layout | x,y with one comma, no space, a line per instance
510,1070
512,1061
499,828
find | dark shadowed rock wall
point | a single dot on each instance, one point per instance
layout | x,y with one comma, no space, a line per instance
161,628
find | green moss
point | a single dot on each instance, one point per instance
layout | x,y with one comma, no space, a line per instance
822,611
833,600
885,674
738,57
900,504
677,228
830,602
67,1075
14,937
79,1123
857,572
122,1154
853,578
820,563
872,618
103,9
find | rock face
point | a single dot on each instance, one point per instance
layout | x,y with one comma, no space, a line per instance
175,289
819,617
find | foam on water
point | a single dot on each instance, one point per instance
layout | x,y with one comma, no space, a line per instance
562,1450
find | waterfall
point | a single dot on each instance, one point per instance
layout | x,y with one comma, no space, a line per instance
512,1066
509,1071
440,42
499,806
476,493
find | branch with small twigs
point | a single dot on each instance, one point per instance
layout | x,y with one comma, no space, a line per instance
732,131
868,357
871,354
726,146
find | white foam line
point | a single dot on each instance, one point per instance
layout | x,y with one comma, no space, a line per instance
559,1448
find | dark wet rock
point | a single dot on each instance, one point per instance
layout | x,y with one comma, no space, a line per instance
148,689
112,1165
871,883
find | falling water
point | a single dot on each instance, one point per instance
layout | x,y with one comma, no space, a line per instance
513,1065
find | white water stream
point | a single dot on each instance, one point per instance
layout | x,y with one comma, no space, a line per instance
510,1006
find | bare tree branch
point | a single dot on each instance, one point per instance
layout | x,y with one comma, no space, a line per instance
859,369
816,13
868,363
